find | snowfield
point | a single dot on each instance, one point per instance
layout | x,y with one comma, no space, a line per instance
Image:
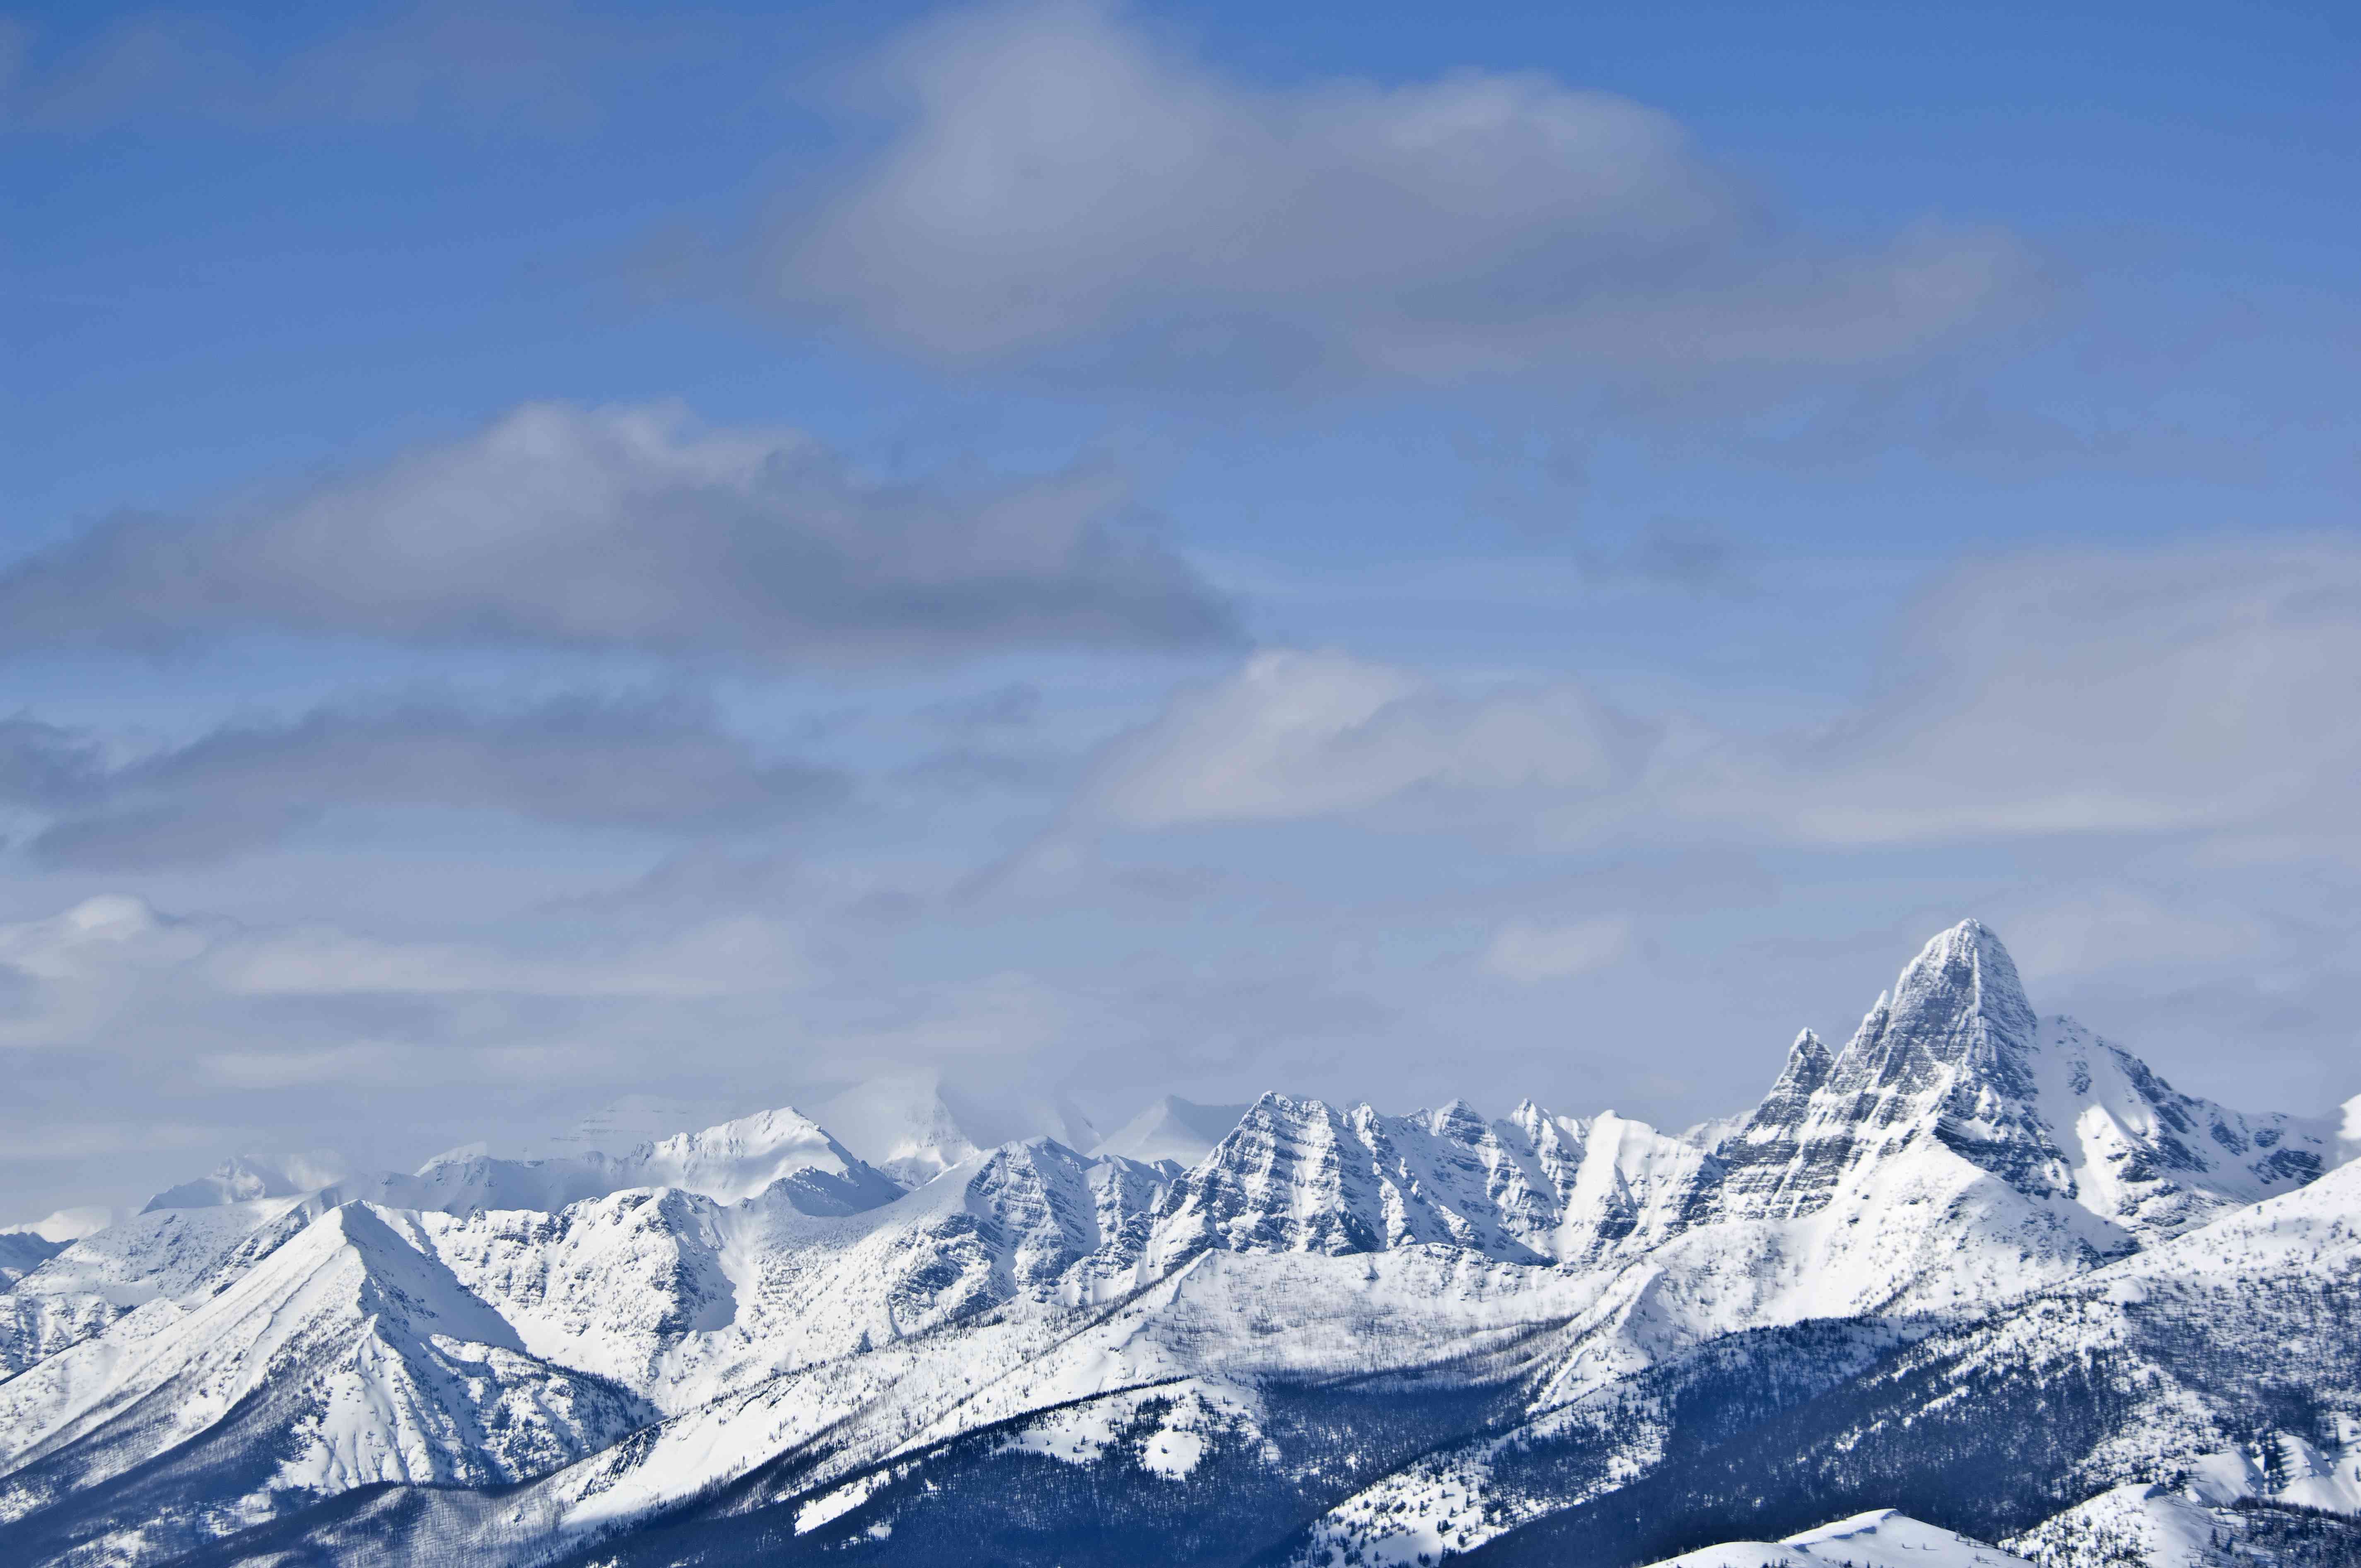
1979,1286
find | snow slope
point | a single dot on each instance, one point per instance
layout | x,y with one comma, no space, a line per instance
1435,1333
345,1357
160,1253
728,1164
1881,1539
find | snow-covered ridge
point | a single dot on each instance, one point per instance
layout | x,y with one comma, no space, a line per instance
734,1293
2199,1523
1884,1539
729,1164
1955,1056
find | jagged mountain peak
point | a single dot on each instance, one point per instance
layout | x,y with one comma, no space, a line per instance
817,1337
1954,1062
1454,1117
729,1163
1959,1003
1808,1067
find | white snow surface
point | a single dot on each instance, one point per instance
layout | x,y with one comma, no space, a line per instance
751,1286
1881,1538
729,1164
387,1368
2194,1524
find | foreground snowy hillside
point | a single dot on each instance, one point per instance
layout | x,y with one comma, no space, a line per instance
1881,1539
1979,1268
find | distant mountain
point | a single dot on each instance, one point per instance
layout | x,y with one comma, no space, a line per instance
247,1178
1978,1285
1881,1538
902,1126
1173,1129
21,1252
771,1149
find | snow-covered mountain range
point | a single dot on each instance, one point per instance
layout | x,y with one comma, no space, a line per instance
1978,1288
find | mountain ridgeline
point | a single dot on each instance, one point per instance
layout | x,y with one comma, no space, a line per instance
1977,1265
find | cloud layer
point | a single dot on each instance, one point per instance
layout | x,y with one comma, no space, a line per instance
651,764
631,530
2121,693
1065,188
1295,734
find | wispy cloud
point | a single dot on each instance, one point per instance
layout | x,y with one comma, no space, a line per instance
1296,734
662,764
2110,694
630,529
1066,188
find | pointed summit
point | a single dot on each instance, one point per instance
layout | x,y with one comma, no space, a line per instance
1958,1003
1957,1037
1807,1062
1808,1066
1947,1054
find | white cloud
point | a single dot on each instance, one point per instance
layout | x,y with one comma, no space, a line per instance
2185,693
734,956
133,1037
1294,734
2119,693
632,529
1530,953
97,938
69,976
1062,176
665,764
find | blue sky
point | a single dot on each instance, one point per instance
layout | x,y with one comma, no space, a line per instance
557,552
